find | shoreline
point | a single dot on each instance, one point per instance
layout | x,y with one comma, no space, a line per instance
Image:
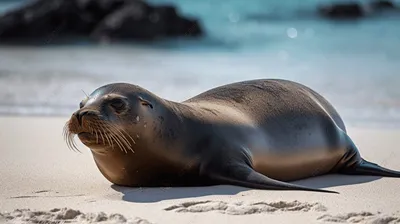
41,174
359,124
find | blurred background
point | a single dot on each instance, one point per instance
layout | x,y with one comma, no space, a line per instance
351,56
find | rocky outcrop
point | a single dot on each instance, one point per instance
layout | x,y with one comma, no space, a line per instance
342,10
44,20
142,22
382,4
354,10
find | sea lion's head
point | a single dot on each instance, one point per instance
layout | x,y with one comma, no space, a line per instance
114,116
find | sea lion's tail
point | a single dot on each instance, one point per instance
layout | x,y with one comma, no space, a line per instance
367,168
353,164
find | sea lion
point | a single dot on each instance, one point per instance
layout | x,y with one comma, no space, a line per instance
257,134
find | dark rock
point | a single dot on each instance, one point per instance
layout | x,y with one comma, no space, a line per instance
131,21
382,4
127,19
139,21
37,19
185,27
349,10
182,26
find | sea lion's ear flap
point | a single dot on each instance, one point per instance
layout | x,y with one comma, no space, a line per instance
145,102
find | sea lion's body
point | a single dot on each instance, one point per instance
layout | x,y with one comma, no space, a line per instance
256,134
290,131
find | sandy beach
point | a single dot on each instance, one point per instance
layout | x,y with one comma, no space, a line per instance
42,181
54,60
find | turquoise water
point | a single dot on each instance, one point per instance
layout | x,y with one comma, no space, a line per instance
355,64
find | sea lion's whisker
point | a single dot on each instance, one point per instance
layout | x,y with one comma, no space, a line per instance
129,136
108,138
67,141
122,135
102,138
113,133
96,128
109,133
87,96
64,132
127,143
126,134
118,143
123,138
115,138
119,135
122,142
97,137
66,137
69,137
71,142
99,125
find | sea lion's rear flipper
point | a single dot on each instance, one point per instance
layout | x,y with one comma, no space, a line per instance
353,164
245,176
367,168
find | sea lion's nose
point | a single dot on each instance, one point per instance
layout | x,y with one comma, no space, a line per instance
80,114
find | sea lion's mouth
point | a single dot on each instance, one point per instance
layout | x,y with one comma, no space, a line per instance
87,137
96,133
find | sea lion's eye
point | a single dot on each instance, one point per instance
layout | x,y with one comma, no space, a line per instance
117,104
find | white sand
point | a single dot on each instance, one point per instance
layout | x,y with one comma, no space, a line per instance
42,181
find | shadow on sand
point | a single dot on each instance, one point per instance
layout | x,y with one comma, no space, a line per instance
150,195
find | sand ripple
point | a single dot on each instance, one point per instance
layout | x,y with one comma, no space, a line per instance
64,215
362,217
241,208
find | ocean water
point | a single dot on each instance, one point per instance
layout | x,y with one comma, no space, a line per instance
354,64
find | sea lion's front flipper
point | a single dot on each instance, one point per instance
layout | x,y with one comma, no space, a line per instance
241,174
